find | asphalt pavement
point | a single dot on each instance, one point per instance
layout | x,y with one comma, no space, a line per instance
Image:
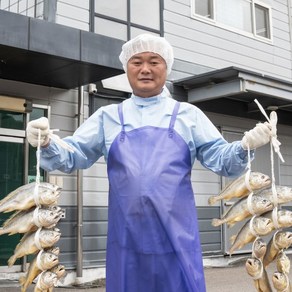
218,279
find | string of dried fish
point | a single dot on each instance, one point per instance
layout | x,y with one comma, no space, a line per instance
259,199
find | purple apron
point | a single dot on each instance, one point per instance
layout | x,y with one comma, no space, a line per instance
153,239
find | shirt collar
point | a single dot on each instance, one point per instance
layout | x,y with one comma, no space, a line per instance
146,101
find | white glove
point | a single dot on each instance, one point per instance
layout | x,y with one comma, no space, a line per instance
257,137
32,132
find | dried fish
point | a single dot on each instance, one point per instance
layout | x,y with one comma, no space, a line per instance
280,240
43,261
239,189
281,282
255,269
283,263
46,280
24,197
259,248
32,219
241,210
256,226
34,241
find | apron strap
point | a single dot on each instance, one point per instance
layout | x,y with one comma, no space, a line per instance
173,119
120,110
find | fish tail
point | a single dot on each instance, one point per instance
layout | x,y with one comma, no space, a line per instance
217,222
232,239
233,248
22,282
230,224
212,200
2,231
11,260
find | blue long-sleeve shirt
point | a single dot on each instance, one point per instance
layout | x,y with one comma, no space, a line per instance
94,137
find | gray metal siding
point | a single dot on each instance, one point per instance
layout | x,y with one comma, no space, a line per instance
210,236
94,236
204,44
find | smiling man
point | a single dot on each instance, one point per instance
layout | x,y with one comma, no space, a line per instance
146,74
150,142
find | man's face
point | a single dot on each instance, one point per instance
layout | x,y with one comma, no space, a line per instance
147,74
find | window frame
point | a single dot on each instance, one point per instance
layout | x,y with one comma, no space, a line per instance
253,34
127,22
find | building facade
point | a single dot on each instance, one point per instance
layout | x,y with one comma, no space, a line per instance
59,58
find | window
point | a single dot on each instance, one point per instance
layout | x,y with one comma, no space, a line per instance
124,19
243,15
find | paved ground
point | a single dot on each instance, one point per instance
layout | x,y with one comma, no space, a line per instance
224,279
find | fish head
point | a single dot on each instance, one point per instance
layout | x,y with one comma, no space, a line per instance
283,263
59,270
49,197
53,249
259,247
253,267
49,236
49,278
262,204
285,218
48,217
263,225
258,180
280,281
55,208
49,260
283,239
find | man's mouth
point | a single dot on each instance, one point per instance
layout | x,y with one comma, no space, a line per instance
145,79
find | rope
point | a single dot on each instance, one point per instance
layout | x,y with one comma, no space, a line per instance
37,239
260,273
38,283
274,241
273,122
38,173
249,204
36,220
251,227
275,218
247,176
253,244
274,145
39,262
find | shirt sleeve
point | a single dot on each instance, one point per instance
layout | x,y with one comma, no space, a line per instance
88,143
213,151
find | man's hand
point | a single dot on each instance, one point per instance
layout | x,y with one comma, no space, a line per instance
257,137
32,132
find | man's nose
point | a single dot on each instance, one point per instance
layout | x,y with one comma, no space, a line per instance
145,67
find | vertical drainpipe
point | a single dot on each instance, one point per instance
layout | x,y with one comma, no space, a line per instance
289,4
80,196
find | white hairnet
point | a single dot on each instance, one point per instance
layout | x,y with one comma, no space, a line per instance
147,43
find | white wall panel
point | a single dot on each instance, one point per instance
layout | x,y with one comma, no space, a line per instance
74,16
202,43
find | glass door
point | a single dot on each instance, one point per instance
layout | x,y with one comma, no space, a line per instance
11,177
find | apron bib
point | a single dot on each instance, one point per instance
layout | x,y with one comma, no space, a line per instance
153,239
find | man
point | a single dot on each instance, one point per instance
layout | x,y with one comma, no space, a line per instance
150,143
